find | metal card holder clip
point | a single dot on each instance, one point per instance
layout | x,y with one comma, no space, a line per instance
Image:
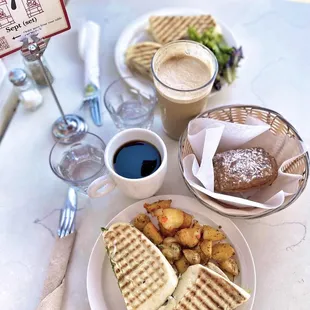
69,127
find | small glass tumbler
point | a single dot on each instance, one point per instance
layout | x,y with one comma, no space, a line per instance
80,163
131,104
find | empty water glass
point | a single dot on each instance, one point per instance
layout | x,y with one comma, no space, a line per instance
131,103
81,163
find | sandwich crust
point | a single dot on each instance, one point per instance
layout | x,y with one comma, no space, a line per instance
165,29
139,57
204,289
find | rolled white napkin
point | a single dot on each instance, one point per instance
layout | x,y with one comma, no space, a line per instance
89,39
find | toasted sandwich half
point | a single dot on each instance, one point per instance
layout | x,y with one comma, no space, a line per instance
201,288
139,57
216,269
166,29
144,275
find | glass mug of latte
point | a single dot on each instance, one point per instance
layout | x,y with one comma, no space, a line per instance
184,73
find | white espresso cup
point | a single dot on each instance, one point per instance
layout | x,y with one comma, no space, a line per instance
135,188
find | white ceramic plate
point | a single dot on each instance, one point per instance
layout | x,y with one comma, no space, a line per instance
102,288
137,32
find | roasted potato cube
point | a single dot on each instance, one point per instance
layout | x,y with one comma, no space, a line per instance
197,226
166,232
169,240
152,233
160,204
206,248
222,252
171,218
203,258
158,212
230,276
188,219
182,264
172,252
188,237
210,233
194,222
192,256
140,221
174,268
230,265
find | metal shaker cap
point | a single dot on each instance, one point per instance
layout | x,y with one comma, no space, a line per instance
17,76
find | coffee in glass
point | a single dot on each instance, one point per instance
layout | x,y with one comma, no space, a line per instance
184,73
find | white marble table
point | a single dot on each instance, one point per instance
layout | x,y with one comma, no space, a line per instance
275,74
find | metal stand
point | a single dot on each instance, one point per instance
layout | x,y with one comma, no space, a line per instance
68,127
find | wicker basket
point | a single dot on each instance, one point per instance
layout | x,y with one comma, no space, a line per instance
278,126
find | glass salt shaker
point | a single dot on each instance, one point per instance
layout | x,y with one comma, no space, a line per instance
27,91
35,70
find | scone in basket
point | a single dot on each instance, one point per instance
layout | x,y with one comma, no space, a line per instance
278,126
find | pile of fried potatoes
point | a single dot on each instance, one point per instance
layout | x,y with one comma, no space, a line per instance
184,241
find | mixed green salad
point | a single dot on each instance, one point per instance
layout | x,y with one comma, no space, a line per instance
228,57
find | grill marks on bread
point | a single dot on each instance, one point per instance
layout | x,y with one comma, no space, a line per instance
166,29
139,57
138,267
210,292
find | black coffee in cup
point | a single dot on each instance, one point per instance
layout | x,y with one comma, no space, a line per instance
136,160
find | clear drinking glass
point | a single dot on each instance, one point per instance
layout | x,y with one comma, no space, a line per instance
131,104
79,163
179,106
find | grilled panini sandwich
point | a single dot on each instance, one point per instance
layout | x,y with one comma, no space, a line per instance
216,269
145,277
139,57
170,305
201,288
165,29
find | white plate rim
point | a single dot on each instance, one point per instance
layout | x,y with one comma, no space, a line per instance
198,209
129,33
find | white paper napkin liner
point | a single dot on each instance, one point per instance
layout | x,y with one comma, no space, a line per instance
205,172
241,133
281,147
228,209
212,134
190,161
285,185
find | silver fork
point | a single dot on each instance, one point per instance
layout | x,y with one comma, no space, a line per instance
92,99
68,214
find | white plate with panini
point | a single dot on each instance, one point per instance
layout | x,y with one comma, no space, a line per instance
102,285
138,32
